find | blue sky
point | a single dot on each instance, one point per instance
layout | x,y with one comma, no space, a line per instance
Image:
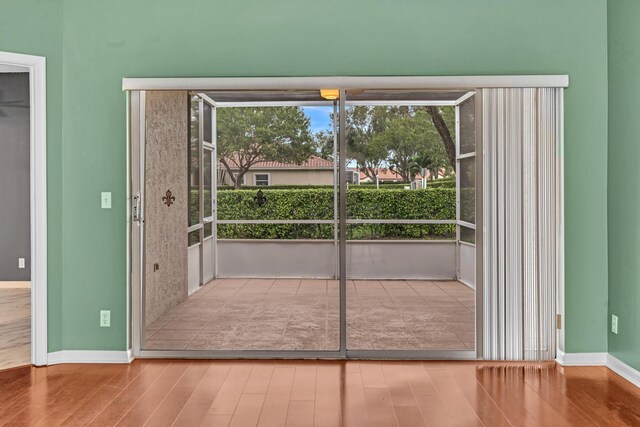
320,117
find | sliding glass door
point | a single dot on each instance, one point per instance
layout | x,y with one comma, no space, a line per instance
267,234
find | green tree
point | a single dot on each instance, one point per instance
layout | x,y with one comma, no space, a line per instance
403,138
364,146
324,144
247,135
443,118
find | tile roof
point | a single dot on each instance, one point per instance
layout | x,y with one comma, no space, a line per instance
313,162
386,174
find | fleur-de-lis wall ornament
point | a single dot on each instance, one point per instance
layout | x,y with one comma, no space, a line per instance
260,198
168,199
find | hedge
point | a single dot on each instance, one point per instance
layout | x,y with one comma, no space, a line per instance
317,203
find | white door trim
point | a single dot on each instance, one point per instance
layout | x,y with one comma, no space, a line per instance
347,82
38,164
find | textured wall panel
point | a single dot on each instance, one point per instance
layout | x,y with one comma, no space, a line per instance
165,226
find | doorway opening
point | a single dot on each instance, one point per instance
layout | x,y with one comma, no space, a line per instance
258,180
23,230
254,236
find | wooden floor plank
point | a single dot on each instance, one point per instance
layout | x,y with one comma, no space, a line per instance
544,381
627,408
429,401
30,406
379,409
104,394
259,379
450,395
304,382
58,405
176,399
151,399
465,376
300,413
328,401
248,410
276,404
575,389
129,396
317,393
69,400
354,403
229,395
506,388
196,408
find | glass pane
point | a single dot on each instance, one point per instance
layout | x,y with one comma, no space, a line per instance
396,296
206,123
208,182
467,235
194,162
468,126
261,179
468,189
398,203
194,237
208,229
289,175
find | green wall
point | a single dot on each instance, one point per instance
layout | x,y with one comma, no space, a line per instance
624,178
34,27
105,41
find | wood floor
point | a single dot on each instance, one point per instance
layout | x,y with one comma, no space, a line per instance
316,393
15,324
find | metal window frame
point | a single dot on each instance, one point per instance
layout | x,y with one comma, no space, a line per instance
329,221
478,246
342,218
255,181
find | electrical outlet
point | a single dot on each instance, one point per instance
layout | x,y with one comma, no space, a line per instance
105,196
614,323
105,318
21,263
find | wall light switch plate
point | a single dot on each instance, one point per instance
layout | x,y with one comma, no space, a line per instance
614,323
105,318
21,263
106,199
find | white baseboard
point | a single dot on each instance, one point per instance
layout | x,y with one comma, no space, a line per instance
89,356
600,359
625,371
581,359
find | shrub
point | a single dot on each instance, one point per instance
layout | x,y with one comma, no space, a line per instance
317,204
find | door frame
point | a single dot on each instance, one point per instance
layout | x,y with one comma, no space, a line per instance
36,67
342,83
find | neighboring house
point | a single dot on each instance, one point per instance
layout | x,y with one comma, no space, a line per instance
384,175
390,176
313,171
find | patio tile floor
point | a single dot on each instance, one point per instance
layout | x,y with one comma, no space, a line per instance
288,314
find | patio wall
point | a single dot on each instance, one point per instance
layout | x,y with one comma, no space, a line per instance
316,259
468,265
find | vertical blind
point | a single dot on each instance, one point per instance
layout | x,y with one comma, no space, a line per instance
522,141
